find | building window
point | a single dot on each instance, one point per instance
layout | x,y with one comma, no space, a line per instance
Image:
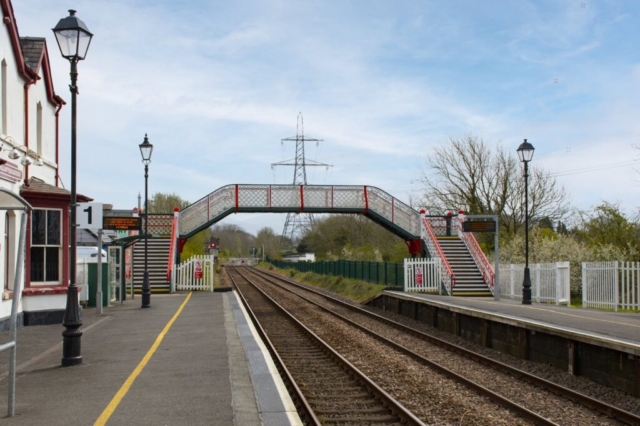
45,246
39,129
3,98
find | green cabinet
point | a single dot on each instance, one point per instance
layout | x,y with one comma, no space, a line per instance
92,281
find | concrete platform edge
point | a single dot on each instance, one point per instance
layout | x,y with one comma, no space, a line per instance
530,324
274,404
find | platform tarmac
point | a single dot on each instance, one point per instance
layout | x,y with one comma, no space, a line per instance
189,359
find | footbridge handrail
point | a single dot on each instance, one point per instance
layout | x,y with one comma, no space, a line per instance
435,250
373,202
172,244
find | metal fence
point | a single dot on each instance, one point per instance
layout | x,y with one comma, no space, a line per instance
550,282
611,285
423,275
387,273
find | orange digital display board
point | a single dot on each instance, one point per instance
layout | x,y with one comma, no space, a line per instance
122,223
479,226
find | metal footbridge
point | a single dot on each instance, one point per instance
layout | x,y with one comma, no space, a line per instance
370,201
422,234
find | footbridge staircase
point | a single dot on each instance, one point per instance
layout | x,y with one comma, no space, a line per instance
464,269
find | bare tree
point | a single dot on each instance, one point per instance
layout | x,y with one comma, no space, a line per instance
467,174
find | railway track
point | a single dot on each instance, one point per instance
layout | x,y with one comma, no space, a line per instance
327,389
403,338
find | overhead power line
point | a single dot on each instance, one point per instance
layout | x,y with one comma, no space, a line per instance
596,168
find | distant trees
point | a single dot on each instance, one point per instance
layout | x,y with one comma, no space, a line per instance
161,202
233,240
602,233
468,174
352,237
606,225
270,242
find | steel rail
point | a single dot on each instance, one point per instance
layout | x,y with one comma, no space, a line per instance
396,407
505,402
304,406
597,405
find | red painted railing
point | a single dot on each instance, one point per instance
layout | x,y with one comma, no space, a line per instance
172,244
446,272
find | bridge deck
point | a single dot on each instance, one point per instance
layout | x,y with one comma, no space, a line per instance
372,202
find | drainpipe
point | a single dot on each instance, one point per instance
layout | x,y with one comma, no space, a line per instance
26,124
60,104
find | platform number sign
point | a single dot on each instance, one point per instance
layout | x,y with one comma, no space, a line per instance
89,216
419,276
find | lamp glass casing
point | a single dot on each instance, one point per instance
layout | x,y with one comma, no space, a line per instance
525,151
73,37
146,149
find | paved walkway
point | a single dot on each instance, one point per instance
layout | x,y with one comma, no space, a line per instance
190,359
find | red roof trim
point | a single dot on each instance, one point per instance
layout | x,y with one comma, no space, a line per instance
27,73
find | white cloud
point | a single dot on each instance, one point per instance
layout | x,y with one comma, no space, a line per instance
216,85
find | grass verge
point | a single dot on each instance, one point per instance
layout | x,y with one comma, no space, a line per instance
355,290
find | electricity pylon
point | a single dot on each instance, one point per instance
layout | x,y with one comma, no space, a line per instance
297,223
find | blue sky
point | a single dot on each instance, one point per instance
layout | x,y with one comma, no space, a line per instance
217,85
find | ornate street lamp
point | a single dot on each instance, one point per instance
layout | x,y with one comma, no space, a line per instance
146,149
73,39
525,152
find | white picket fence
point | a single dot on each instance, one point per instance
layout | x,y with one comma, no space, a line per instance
550,282
422,275
611,285
196,273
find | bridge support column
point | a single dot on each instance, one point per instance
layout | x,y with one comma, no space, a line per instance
415,247
181,243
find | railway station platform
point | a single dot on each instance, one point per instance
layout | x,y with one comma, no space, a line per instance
603,346
189,359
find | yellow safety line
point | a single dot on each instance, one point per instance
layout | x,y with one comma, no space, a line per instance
106,414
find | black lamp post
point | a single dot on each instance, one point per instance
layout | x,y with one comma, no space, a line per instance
73,39
525,152
146,148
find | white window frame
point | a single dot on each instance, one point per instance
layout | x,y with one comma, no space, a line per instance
45,246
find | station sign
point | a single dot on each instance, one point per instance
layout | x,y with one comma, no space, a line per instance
419,276
89,215
479,226
122,223
197,273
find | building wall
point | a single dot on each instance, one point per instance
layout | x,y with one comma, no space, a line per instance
33,133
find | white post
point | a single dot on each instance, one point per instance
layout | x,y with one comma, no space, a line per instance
558,282
99,283
536,268
616,292
511,282
13,322
584,285
496,263
213,272
405,275
637,284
